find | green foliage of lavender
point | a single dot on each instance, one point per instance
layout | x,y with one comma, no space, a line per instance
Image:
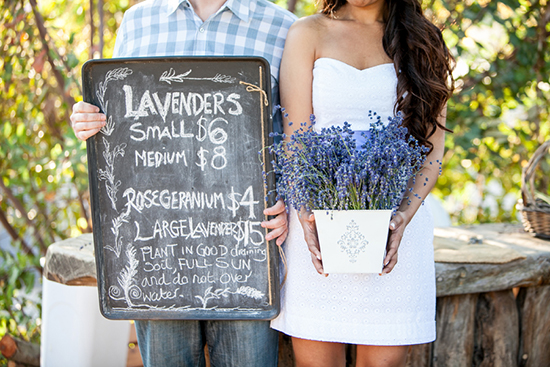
337,169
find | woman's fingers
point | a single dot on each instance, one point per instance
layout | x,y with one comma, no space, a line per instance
318,265
391,256
307,219
397,228
397,220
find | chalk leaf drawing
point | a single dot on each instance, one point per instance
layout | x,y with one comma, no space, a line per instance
109,126
115,74
108,174
218,293
352,241
127,280
117,223
170,76
249,292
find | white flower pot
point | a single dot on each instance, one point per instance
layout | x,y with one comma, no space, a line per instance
353,241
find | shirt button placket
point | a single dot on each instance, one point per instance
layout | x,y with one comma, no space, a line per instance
201,40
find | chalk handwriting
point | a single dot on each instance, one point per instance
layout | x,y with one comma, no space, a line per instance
181,103
240,230
157,159
178,200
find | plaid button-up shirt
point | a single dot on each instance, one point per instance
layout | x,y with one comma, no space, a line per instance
238,28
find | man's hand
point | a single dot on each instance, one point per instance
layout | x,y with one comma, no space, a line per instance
86,120
279,224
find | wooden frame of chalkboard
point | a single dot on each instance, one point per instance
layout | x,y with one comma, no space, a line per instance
177,188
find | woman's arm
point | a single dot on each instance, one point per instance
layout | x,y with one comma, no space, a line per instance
295,81
422,188
296,75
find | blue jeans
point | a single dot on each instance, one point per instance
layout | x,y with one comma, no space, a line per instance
180,343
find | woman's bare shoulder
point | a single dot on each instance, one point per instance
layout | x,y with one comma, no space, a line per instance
307,29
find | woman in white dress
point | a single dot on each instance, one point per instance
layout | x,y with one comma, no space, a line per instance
359,56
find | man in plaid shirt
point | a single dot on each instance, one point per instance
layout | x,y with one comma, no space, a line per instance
197,28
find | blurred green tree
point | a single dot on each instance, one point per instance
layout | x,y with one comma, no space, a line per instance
500,109
43,174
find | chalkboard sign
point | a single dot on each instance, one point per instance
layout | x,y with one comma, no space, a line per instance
177,188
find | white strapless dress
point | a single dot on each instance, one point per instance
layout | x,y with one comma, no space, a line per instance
394,309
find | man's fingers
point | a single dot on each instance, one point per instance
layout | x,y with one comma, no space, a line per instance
281,239
83,107
88,117
85,134
278,225
85,125
86,120
279,221
276,232
276,209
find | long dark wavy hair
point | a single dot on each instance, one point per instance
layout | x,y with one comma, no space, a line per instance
416,46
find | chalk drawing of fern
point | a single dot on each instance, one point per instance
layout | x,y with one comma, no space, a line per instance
170,76
115,74
117,223
249,292
109,126
127,280
108,174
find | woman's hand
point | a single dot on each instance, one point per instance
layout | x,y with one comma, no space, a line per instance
279,224
307,220
86,120
397,228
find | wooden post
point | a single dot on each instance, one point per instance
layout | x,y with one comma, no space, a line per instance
534,345
497,330
454,345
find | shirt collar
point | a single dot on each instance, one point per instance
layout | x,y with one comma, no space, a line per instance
241,8
173,5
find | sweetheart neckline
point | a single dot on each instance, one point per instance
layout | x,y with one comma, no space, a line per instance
353,67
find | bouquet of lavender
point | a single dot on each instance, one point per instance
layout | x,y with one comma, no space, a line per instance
335,170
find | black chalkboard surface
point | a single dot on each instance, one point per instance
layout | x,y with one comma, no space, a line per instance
177,189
